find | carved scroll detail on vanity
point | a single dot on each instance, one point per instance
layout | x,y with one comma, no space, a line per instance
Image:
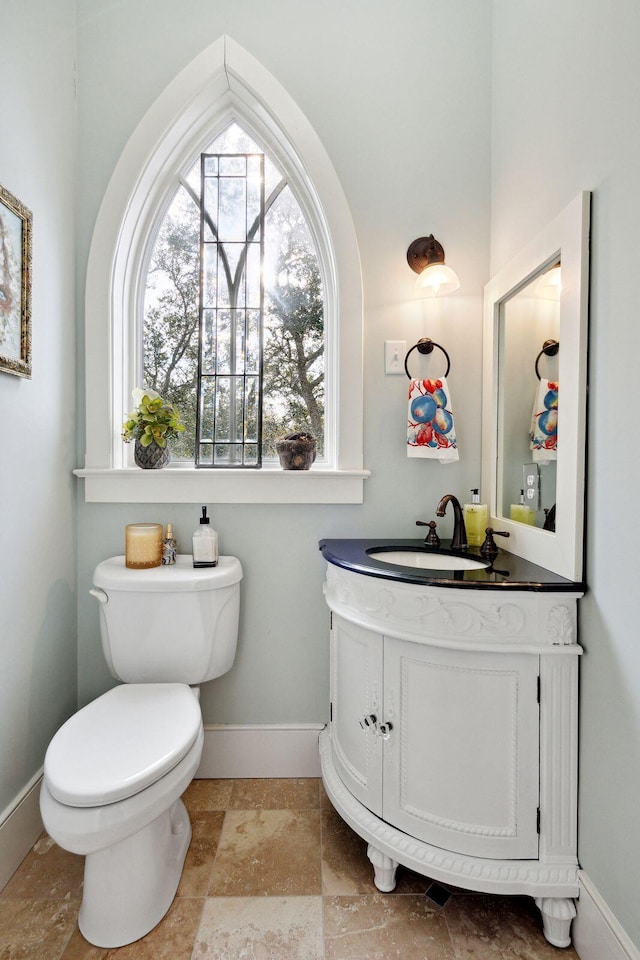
417,610
561,627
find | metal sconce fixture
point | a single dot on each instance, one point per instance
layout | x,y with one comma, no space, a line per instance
425,256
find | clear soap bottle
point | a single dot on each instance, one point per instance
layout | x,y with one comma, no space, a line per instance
205,543
476,519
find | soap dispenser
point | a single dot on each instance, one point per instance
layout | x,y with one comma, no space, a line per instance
476,519
521,512
205,543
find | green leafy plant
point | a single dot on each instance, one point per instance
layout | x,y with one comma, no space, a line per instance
152,421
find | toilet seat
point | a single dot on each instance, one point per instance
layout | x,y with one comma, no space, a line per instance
121,743
85,830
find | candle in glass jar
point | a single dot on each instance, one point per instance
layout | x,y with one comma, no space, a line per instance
143,545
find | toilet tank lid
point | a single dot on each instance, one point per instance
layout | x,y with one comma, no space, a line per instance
124,741
112,574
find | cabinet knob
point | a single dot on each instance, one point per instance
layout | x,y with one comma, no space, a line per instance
369,720
384,729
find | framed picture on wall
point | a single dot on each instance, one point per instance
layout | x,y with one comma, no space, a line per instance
15,285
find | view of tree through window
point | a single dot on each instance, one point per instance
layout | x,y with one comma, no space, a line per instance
292,316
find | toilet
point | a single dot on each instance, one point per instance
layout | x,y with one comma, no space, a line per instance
115,771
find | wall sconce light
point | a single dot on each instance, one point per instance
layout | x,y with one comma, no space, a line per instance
425,256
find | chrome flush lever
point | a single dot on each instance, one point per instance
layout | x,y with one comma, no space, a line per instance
99,594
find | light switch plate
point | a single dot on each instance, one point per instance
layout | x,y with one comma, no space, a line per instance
394,354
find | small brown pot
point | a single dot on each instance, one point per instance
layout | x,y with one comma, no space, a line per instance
297,451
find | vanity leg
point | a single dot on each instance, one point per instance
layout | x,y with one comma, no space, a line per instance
557,914
384,869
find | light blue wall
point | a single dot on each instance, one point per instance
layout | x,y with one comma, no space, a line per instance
411,163
37,491
566,90
401,96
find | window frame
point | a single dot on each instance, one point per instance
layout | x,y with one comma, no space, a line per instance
222,84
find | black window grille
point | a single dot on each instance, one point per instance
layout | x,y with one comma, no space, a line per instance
230,357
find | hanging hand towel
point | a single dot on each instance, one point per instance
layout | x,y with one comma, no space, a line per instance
430,429
544,423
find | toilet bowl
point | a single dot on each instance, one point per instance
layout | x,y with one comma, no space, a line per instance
115,771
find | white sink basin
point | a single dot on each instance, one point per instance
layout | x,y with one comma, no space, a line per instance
426,561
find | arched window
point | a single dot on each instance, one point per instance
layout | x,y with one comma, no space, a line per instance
233,330
225,101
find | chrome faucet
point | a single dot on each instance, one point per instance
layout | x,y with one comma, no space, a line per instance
459,541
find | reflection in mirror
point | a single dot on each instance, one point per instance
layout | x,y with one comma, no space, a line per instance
529,329
525,306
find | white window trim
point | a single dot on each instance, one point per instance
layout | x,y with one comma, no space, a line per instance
222,83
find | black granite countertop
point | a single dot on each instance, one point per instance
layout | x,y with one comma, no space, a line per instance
507,572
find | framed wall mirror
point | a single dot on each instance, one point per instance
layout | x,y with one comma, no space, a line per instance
534,394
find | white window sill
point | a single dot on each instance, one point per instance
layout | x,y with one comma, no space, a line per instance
188,485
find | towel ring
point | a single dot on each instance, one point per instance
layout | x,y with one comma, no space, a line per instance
550,349
425,346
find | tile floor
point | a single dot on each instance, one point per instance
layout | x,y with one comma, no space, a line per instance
273,873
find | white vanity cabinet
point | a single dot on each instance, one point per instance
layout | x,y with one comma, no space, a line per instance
453,736
441,743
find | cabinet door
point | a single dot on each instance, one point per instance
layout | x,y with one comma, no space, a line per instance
461,761
356,690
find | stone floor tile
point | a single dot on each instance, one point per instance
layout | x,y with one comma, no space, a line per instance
172,939
206,828
325,803
47,873
36,929
207,795
260,928
268,853
264,851
499,928
380,927
293,794
346,868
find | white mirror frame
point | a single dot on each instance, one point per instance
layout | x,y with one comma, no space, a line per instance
567,239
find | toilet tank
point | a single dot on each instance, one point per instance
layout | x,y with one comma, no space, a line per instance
172,623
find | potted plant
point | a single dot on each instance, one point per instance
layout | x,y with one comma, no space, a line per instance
151,424
296,451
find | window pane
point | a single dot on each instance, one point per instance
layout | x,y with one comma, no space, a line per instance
254,276
238,408
223,342
252,360
239,356
231,209
211,204
252,407
209,342
170,335
222,426
209,275
293,327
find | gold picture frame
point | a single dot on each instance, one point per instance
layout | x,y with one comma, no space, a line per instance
15,285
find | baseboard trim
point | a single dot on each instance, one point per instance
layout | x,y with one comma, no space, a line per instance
230,751
596,933
20,827
260,750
